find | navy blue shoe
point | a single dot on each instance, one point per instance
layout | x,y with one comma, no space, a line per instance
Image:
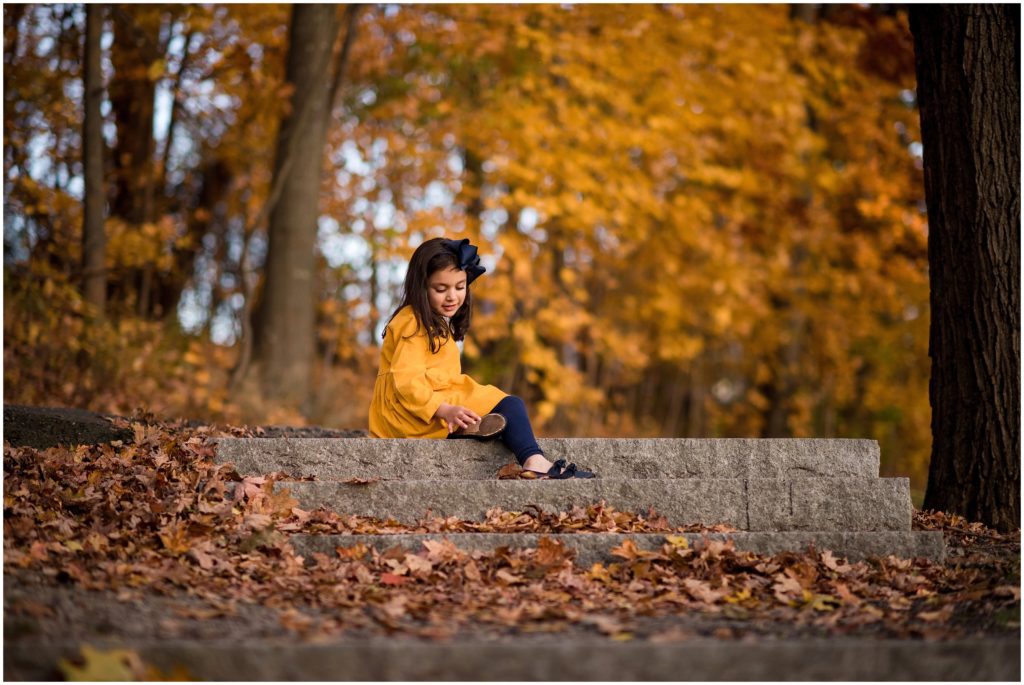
571,471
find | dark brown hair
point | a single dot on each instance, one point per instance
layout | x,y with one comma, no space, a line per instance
430,257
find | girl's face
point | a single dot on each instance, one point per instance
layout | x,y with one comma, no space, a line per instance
446,290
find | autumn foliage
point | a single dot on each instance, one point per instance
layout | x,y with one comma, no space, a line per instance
701,221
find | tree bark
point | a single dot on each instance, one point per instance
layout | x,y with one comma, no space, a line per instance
131,97
94,279
284,348
968,72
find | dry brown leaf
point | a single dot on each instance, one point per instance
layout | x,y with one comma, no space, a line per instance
471,571
508,471
702,591
551,552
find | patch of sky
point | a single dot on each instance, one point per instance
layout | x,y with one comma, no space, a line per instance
74,89
162,111
44,46
234,239
455,164
39,165
15,228
339,248
354,162
224,328
192,309
908,97
176,47
76,188
916,149
352,291
491,221
437,194
384,216
109,133
528,218
368,97
257,250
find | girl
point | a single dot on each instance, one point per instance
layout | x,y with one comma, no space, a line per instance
421,391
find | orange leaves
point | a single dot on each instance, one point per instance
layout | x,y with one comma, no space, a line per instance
393,579
176,539
702,591
551,553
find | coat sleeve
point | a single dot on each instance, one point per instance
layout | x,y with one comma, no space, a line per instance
409,370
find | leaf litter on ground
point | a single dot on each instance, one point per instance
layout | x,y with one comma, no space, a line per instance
160,514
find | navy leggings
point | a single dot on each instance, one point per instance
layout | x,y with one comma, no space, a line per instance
518,433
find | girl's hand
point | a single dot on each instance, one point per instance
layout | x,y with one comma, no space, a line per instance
456,417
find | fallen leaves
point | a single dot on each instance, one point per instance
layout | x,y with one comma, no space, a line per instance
161,515
510,471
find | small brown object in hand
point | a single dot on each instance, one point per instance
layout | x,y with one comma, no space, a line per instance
489,427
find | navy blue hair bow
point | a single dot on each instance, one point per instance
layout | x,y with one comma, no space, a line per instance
469,261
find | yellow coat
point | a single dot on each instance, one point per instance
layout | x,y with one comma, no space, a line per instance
413,382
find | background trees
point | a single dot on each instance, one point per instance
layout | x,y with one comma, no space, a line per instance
724,238
284,335
94,239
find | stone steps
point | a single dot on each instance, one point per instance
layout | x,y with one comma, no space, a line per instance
550,658
341,459
591,547
760,504
780,494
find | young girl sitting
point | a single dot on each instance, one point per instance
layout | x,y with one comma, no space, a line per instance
421,391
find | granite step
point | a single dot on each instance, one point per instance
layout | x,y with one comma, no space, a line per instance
541,658
345,458
756,504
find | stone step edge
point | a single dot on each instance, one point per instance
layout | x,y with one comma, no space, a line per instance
593,547
540,658
837,504
643,457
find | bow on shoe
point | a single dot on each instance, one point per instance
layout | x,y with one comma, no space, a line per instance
469,261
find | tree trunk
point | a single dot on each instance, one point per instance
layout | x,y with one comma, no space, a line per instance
132,94
131,98
94,279
284,346
968,72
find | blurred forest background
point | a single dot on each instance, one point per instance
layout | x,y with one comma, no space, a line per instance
698,220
